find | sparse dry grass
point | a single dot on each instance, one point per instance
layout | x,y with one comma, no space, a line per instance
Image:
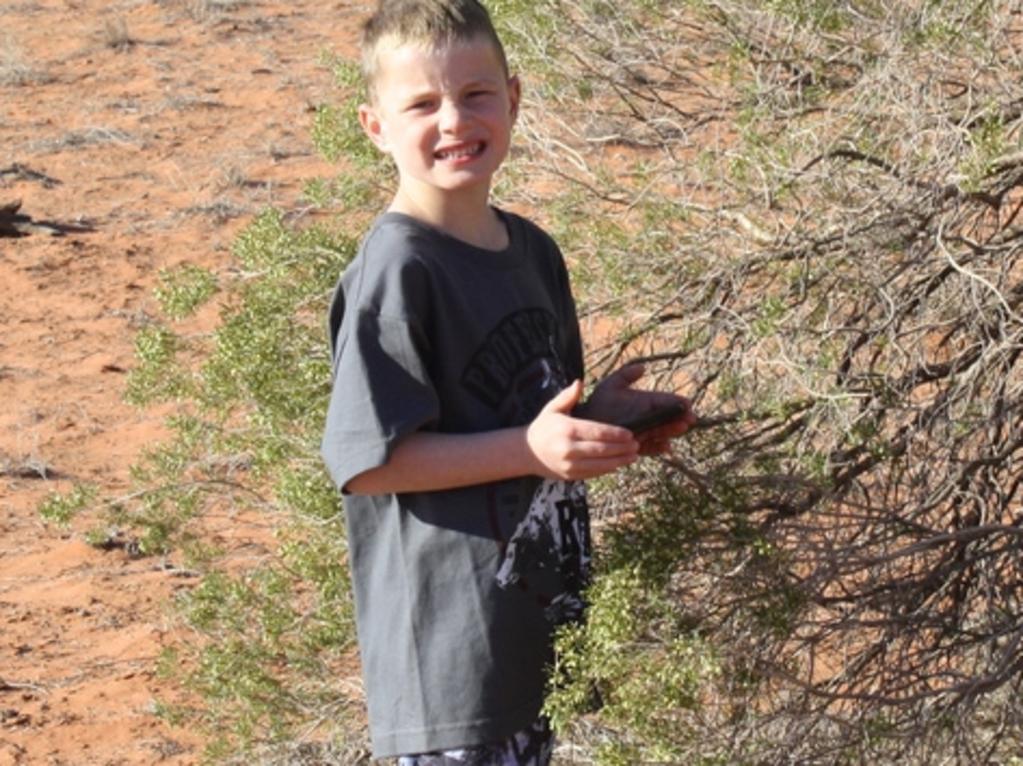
115,34
19,8
181,102
207,10
76,139
220,210
15,70
231,176
25,467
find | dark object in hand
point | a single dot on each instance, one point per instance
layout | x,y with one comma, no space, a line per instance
653,418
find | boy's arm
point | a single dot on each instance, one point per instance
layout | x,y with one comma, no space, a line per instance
555,445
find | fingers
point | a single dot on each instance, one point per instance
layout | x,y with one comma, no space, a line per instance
566,399
573,447
590,450
630,373
649,447
674,429
591,469
580,442
591,460
595,431
657,440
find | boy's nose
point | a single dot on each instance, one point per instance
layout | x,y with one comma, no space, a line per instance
452,117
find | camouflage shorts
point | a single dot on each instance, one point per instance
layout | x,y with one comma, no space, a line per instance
529,747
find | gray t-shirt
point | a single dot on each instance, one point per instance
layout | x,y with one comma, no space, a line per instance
457,591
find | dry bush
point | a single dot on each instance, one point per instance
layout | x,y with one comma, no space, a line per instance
808,213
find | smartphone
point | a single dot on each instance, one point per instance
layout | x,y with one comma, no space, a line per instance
655,417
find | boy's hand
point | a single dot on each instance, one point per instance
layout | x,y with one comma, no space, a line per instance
567,447
614,400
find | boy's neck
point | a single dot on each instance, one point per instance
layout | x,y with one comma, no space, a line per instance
471,220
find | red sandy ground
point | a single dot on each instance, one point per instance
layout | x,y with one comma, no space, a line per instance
168,124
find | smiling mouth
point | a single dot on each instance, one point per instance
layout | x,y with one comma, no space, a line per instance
461,152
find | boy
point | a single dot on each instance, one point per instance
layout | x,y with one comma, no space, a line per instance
455,427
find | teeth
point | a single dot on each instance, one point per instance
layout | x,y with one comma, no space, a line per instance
454,154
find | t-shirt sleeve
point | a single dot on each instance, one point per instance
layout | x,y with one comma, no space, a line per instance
382,390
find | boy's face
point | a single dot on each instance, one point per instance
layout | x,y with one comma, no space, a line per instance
444,115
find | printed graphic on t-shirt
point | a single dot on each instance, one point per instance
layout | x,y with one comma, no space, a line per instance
517,370
549,552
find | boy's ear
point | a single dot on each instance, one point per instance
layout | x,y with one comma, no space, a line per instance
373,126
514,95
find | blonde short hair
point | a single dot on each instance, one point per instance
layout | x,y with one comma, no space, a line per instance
434,23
